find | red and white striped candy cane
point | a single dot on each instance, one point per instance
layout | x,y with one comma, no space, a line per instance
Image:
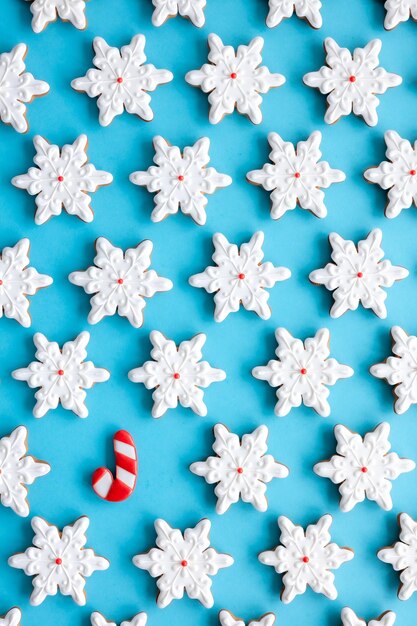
120,488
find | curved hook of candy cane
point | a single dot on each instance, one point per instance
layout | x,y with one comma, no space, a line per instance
120,488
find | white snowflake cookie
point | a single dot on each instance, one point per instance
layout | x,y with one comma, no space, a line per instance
234,79
18,469
181,180
296,175
306,558
349,618
17,281
351,81
358,275
12,617
62,179
17,88
228,619
239,277
403,556
399,11
120,281
176,374
398,174
363,467
191,9
183,562
62,375
97,619
302,372
241,469
400,370
59,561
46,11
121,80
305,9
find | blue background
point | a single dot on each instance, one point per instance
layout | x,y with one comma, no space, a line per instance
166,488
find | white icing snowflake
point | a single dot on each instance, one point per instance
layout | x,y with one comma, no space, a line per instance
164,9
121,80
62,375
403,556
240,469
398,174
358,274
12,618
306,558
363,467
352,81
17,281
181,180
120,281
17,87
228,619
176,374
399,11
349,618
183,562
302,372
234,79
306,9
295,176
400,370
97,619
46,11
59,561
239,277
18,469
62,179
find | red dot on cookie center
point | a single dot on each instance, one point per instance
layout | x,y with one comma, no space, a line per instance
412,172
352,79
177,375
359,274
184,563
305,559
241,276
58,561
239,470
60,179
297,175
364,469
303,371
233,75
1,282
181,178
60,372
119,79
120,281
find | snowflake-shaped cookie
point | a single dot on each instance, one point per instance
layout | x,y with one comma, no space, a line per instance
62,180
121,80
234,79
239,277
358,274
400,370
403,556
306,558
59,561
192,9
17,281
97,619
176,374
306,9
399,11
363,467
228,619
349,618
183,562
120,281
351,81
17,87
62,375
181,180
12,618
296,176
240,469
302,372
398,174
18,469
46,11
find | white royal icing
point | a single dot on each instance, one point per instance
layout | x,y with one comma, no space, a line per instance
17,281
17,88
302,372
306,558
97,619
403,556
120,281
183,563
349,618
233,79
296,175
62,179
282,9
228,619
62,375
363,467
358,274
399,11
46,11
12,618
240,469
239,277
352,80
181,180
164,9
176,374
59,561
121,80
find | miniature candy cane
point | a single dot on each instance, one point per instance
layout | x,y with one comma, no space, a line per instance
120,488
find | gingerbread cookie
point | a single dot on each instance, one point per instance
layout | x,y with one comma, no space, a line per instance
403,556
97,619
46,11
191,9
228,619
308,10
349,618
12,617
399,11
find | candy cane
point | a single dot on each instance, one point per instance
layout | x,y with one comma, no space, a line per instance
119,488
